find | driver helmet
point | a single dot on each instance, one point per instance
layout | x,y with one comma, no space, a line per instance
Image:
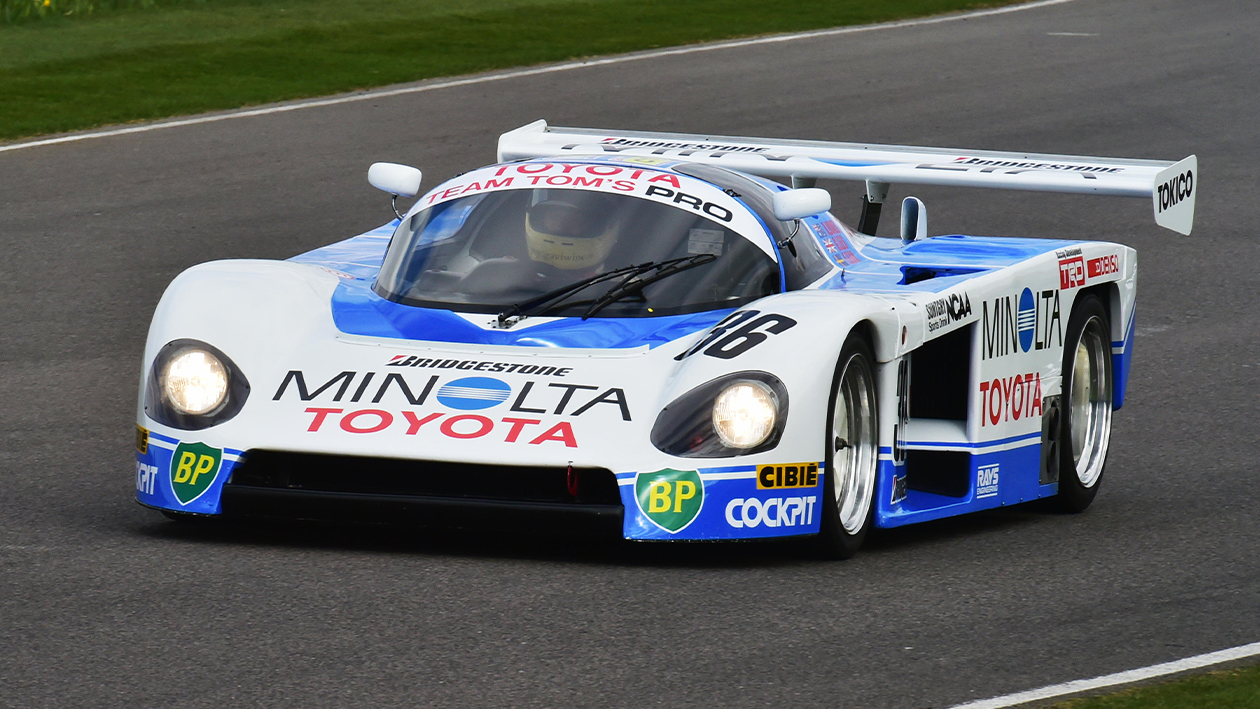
570,229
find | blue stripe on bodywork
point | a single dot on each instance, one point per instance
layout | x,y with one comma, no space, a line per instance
1018,470
1120,364
851,163
981,444
357,310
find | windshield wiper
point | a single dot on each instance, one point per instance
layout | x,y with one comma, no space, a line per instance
633,283
532,306
630,283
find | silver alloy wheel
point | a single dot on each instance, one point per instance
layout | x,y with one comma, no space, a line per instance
1090,401
853,450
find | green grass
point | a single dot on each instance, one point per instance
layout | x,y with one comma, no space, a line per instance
1230,689
132,63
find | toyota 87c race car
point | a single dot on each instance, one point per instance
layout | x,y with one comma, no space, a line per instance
667,335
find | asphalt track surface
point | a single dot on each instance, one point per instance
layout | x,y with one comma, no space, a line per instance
104,603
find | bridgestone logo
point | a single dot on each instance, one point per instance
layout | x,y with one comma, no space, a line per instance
681,146
1018,165
1178,188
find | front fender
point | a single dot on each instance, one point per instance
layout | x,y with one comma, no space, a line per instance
239,306
796,337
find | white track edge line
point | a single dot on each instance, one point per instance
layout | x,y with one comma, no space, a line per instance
516,74
1143,673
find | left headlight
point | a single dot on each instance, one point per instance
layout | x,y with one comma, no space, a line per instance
737,414
194,381
193,385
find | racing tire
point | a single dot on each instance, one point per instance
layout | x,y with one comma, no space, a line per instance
852,452
1085,422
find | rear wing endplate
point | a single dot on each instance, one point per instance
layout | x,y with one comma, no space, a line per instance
1170,186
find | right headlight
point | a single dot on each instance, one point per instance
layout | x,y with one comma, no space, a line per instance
737,414
744,414
192,385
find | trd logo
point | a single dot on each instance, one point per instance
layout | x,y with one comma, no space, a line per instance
1071,272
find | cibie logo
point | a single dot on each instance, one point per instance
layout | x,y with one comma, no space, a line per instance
472,393
670,498
193,467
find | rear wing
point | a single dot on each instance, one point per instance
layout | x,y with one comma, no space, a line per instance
1170,186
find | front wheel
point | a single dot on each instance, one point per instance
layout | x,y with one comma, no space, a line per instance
1085,432
852,449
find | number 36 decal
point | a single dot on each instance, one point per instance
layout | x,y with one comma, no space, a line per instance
739,332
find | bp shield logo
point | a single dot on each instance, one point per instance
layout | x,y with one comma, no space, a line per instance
670,498
193,467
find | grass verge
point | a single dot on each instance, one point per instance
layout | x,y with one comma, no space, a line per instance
1227,689
60,74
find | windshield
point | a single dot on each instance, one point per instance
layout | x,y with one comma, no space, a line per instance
491,251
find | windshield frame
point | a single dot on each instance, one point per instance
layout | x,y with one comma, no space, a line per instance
740,220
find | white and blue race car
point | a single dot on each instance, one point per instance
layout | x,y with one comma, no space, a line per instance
647,332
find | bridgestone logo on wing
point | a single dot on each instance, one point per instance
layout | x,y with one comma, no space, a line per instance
1021,165
664,145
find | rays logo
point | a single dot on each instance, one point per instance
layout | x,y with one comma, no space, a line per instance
1035,324
472,393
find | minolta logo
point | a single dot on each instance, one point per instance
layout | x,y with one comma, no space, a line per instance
471,393
1027,319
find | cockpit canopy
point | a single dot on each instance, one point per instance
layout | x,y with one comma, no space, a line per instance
500,242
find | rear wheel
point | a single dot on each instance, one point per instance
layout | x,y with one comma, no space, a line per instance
1085,432
852,451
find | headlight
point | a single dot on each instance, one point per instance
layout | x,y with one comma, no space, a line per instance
195,382
744,414
736,414
192,385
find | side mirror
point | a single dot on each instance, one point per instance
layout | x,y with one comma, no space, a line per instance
796,204
913,220
398,180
